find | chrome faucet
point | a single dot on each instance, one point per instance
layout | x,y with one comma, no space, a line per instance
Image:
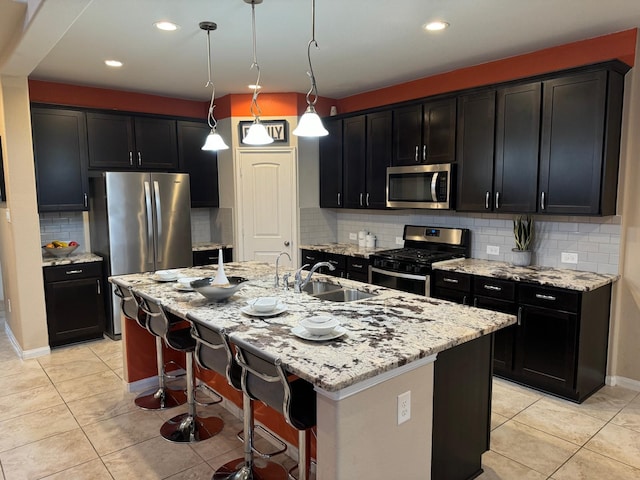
299,284
277,280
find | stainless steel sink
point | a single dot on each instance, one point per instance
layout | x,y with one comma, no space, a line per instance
320,286
344,295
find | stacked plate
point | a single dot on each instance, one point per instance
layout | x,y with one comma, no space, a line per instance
319,328
264,307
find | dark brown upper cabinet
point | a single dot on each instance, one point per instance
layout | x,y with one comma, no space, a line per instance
201,165
331,189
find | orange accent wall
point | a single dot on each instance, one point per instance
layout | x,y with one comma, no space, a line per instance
277,104
619,46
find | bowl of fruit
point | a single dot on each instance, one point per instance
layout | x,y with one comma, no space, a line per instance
58,248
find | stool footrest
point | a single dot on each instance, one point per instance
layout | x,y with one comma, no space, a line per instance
185,428
207,389
172,375
237,470
266,433
160,399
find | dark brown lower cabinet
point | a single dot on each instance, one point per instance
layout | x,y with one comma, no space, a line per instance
210,257
75,302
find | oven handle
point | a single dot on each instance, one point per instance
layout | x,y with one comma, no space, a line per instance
399,275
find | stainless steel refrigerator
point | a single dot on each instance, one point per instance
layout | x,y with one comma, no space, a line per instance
139,222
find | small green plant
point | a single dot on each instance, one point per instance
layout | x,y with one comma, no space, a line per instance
523,231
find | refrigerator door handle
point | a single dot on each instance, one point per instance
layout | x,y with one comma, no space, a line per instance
156,192
147,200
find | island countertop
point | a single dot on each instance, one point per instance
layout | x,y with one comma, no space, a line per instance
384,332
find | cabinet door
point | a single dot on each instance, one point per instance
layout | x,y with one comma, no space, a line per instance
546,348
503,339
156,143
354,161
517,147
201,165
60,151
110,141
407,135
378,159
572,144
331,193
439,136
475,139
210,257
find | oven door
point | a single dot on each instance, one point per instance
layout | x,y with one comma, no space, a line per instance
418,284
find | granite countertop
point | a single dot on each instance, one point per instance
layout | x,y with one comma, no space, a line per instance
553,277
209,246
51,261
384,332
349,249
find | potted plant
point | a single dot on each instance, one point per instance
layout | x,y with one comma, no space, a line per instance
523,230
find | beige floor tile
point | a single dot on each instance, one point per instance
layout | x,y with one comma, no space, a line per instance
497,467
16,365
36,426
90,385
7,352
119,372
102,406
28,379
588,465
617,442
48,456
114,362
510,399
106,347
199,472
560,419
607,402
108,436
28,401
93,470
537,450
76,369
220,444
629,416
150,460
222,459
497,420
70,354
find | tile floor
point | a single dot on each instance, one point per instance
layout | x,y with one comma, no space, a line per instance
66,416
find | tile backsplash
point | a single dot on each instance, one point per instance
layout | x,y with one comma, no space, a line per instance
64,226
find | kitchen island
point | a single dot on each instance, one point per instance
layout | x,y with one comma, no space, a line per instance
392,343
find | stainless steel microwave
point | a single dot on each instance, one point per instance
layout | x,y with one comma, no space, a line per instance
420,186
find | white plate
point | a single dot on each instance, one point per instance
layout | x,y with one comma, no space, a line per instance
280,308
183,288
300,331
164,278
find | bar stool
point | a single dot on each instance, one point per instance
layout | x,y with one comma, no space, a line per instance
214,352
296,399
187,427
160,398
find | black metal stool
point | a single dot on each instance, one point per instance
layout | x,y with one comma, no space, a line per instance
187,427
160,398
213,352
295,399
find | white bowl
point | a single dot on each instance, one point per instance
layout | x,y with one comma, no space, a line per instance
217,293
264,304
166,274
185,282
319,325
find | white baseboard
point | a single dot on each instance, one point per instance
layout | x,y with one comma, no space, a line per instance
148,383
616,381
25,354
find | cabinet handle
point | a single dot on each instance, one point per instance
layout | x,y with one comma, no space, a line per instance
545,297
139,159
131,158
367,199
475,302
356,265
542,202
424,153
99,289
493,287
338,198
416,154
86,201
73,272
450,280
486,200
519,315
213,258
464,300
497,200
361,199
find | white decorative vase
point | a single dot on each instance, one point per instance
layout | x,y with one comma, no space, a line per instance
521,258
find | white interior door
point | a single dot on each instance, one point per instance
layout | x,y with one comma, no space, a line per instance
267,204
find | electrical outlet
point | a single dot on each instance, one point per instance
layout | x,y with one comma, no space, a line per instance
493,250
353,236
404,407
399,241
567,257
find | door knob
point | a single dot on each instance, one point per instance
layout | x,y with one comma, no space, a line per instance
286,243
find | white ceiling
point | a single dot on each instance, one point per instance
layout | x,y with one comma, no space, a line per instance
364,45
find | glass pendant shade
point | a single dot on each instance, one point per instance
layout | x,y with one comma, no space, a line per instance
214,142
310,124
257,135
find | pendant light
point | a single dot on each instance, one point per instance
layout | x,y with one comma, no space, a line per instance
310,124
257,134
214,141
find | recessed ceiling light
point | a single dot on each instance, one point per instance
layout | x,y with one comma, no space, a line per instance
435,26
255,87
166,26
113,63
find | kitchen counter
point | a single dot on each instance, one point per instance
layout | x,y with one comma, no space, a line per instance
553,277
51,261
348,249
198,247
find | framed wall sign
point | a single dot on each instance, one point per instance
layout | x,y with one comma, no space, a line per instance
277,129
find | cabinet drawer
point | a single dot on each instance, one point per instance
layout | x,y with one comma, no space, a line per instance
71,272
337,260
553,298
491,287
311,257
357,264
208,257
453,280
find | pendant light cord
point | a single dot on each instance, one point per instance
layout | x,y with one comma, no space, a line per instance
210,118
255,108
314,89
